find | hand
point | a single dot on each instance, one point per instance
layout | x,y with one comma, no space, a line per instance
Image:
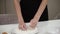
33,23
22,26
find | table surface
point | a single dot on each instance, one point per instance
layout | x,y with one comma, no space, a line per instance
43,27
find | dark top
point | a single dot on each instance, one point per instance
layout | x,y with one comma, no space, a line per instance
29,9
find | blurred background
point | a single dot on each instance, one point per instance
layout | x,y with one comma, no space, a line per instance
8,13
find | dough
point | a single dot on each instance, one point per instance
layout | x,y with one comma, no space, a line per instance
28,31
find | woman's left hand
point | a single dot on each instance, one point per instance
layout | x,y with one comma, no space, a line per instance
33,23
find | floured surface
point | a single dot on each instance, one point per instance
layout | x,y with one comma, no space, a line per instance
47,27
28,31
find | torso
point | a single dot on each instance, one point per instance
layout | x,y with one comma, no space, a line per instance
29,8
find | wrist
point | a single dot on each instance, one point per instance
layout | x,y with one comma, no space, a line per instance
36,19
21,22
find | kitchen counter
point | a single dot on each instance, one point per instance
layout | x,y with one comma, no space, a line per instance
45,27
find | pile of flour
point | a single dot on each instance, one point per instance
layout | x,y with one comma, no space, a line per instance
28,31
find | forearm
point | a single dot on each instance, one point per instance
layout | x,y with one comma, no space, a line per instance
40,10
18,10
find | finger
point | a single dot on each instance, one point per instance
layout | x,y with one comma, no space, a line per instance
25,27
22,27
33,25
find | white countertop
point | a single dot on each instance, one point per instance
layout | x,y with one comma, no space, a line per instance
45,27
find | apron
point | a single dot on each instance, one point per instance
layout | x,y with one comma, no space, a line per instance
29,9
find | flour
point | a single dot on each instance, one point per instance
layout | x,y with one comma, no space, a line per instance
28,31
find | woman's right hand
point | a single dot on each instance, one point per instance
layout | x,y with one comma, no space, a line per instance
22,26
